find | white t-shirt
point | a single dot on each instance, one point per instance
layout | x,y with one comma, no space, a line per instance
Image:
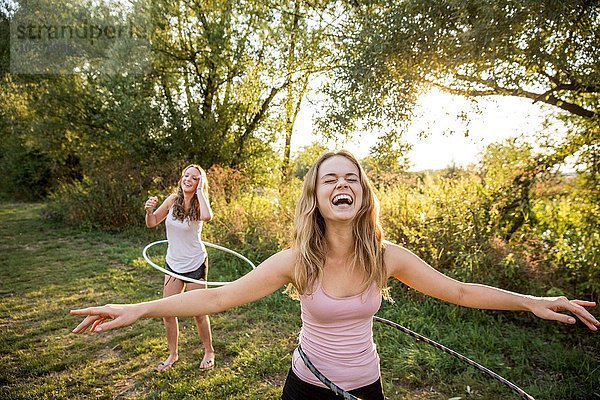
185,252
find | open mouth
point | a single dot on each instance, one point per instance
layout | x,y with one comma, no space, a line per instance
342,199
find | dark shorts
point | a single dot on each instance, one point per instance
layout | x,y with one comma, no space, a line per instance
296,389
197,274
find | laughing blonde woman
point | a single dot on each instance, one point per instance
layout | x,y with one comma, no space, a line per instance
184,212
339,265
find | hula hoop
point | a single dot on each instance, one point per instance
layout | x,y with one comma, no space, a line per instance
348,396
184,278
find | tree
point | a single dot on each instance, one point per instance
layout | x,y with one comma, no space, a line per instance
306,157
229,68
507,183
222,75
387,159
5,11
546,51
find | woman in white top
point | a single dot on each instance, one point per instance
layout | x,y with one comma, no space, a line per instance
339,265
183,213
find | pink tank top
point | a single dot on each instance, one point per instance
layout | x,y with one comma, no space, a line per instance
337,337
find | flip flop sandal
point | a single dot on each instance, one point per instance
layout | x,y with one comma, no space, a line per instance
209,364
164,367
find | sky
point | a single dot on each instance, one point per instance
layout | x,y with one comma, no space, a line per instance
491,119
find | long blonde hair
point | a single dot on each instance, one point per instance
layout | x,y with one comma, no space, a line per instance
193,211
309,233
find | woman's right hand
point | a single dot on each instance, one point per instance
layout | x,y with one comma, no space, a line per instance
110,316
151,204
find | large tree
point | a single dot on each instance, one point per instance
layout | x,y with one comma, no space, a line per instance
232,70
543,50
222,86
223,76
547,51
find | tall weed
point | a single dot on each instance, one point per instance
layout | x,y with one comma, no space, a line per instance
441,219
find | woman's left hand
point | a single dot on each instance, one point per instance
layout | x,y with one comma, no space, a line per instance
549,307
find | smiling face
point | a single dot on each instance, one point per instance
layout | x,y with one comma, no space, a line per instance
338,189
190,180
337,194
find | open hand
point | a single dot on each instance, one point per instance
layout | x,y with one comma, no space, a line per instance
549,307
110,316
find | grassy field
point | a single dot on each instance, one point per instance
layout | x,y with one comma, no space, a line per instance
50,269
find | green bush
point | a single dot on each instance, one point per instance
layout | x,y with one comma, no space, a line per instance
448,218
254,218
569,243
103,203
442,219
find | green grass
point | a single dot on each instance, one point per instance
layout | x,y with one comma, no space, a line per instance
49,269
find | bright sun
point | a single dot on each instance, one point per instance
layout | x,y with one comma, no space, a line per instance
446,119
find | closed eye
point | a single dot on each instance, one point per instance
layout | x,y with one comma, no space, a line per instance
195,178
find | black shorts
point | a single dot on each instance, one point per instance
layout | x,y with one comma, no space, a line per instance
200,273
296,389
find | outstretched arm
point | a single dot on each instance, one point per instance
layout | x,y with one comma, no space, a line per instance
416,273
269,276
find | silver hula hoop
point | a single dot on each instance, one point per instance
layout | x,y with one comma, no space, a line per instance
184,278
